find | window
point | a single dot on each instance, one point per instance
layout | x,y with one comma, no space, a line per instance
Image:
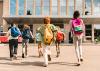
96,7
54,8
12,7
38,7
88,30
79,6
71,8
63,7
46,7
21,7
97,31
29,7
87,7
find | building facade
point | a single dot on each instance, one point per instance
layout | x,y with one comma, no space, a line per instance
60,12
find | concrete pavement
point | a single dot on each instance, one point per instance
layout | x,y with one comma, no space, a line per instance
66,61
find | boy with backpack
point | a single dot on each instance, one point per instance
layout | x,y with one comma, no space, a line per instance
39,41
47,38
78,30
26,35
13,34
59,39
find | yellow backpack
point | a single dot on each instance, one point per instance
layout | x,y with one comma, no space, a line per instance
48,35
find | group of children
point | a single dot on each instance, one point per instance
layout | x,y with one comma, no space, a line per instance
45,36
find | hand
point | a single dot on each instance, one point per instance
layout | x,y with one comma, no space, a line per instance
32,37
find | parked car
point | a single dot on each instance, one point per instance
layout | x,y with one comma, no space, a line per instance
4,38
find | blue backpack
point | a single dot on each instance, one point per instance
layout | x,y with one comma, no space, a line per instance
15,32
26,34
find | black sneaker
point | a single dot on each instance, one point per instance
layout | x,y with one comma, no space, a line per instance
23,55
40,55
49,58
78,64
45,65
81,60
58,53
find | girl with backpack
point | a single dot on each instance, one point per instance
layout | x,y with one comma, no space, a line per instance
59,39
26,35
39,41
78,31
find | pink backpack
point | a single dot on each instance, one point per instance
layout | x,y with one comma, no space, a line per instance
77,27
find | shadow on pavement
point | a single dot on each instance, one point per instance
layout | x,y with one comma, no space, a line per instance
65,63
34,56
24,63
4,58
37,63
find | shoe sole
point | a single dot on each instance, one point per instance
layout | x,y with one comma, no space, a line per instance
23,56
78,64
81,60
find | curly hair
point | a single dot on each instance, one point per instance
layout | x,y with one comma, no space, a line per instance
46,19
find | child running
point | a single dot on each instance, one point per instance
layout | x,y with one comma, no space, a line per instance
39,41
59,39
26,35
78,30
47,35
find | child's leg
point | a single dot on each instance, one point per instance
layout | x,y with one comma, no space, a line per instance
11,49
26,46
40,50
80,49
57,49
77,49
49,53
26,49
45,52
15,48
23,49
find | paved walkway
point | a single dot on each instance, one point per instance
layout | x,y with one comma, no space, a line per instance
66,61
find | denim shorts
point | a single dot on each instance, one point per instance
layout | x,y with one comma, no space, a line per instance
25,41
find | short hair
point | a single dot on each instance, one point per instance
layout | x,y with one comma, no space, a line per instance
14,22
76,14
46,19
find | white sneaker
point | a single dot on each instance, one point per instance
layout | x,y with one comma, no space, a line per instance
11,59
15,56
26,56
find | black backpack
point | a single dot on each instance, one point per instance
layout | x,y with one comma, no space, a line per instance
26,34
